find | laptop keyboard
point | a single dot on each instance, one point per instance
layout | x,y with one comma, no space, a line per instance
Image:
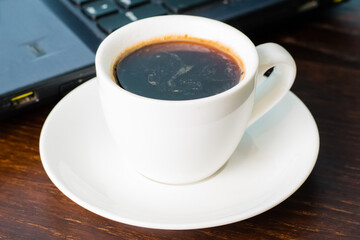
109,15
105,16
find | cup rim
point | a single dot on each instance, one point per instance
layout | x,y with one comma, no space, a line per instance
106,76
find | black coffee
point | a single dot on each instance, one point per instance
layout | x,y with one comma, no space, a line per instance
177,70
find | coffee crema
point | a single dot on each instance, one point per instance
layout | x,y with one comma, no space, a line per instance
180,69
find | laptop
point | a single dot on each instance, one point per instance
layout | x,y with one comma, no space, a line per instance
47,47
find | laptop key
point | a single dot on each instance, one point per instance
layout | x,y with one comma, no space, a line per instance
99,8
79,2
181,5
144,11
131,3
112,22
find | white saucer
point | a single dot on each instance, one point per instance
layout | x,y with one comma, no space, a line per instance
274,158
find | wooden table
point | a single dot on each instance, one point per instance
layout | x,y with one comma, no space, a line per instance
326,48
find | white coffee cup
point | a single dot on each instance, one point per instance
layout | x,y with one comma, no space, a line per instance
178,142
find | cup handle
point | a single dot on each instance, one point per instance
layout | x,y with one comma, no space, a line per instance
270,90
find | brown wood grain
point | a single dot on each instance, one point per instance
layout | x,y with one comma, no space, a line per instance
326,48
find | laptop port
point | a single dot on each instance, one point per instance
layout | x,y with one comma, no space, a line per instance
24,99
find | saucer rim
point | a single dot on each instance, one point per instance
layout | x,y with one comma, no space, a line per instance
172,226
